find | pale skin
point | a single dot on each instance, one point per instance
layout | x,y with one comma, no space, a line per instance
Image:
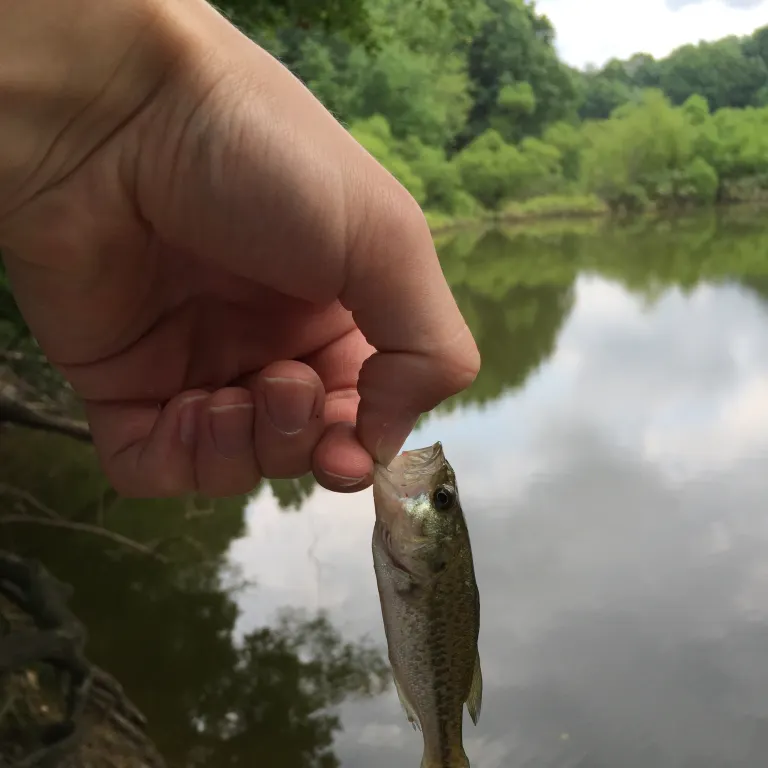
234,287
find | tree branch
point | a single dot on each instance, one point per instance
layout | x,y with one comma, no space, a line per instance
14,411
95,530
28,498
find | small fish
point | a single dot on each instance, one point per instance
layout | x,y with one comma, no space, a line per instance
429,599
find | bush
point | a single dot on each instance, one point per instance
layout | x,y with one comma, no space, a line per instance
492,170
699,182
556,205
375,135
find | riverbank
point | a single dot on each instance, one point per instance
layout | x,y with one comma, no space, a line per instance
560,207
536,208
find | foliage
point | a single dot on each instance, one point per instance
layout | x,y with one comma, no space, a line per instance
375,135
519,84
492,170
468,105
351,16
547,206
731,72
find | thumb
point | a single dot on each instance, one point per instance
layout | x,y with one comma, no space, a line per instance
400,300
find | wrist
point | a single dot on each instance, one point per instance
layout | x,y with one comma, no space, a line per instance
72,72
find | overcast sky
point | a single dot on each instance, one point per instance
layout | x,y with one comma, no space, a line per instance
593,31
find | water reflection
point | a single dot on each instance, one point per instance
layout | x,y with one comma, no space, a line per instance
515,320
167,631
617,497
611,458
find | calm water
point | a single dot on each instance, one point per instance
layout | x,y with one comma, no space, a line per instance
613,463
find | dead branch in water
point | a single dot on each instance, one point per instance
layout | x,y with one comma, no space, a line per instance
16,411
94,530
27,498
35,512
49,517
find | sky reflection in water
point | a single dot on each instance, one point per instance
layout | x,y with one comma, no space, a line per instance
618,508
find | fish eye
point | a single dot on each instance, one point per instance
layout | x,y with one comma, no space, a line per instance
443,498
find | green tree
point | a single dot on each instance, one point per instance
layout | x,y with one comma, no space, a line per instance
349,16
376,136
515,46
492,170
637,155
601,96
567,138
421,95
642,70
720,71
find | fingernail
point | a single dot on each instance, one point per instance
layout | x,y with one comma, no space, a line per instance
232,428
345,482
188,419
290,403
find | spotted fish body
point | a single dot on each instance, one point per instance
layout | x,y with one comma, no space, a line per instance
429,599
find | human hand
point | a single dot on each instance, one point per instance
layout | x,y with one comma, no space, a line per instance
208,256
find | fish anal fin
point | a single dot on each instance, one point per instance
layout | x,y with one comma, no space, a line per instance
410,712
475,697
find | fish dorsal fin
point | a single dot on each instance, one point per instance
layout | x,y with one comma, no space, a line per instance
475,697
410,712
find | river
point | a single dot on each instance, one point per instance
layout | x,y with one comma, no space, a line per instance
612,459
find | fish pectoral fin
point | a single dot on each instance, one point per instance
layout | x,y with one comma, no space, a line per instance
475,697
410,712
403,582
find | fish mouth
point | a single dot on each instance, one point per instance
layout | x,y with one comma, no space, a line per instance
410,473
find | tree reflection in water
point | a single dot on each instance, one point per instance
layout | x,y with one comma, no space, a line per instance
167,631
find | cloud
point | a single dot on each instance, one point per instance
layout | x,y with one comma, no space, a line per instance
650,26
677,4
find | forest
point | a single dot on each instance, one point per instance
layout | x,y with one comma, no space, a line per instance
467,103
469,106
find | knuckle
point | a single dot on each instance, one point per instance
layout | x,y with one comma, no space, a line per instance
131,481
466,365
462,368
219,477
455,367
405,220
386,213
124,487
234,487
288,467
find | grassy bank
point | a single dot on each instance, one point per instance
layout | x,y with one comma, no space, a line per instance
551,207
544,207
